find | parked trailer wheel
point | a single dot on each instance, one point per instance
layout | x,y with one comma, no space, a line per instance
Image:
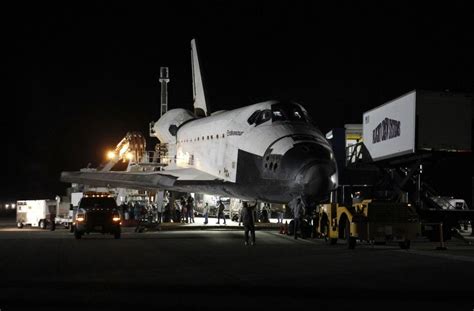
42,224
19,225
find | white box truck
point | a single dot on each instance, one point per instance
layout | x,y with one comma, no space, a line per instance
35,213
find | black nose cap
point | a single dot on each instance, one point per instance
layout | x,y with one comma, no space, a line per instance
318,179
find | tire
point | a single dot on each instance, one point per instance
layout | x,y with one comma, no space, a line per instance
42,224
405,244
19,225
77,235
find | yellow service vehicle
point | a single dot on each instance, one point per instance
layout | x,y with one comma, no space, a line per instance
369,220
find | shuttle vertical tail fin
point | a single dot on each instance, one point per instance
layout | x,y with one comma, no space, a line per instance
200,104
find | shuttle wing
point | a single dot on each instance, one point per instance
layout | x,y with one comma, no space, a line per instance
170,180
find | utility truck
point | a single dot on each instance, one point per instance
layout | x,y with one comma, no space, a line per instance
35,213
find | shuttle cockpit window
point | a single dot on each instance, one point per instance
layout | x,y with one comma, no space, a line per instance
259,117
288,112
264,116
251,120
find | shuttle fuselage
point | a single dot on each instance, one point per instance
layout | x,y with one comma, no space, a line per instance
268,151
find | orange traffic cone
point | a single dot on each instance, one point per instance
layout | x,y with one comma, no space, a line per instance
286,228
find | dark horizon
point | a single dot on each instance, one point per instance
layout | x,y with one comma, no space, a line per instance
79,78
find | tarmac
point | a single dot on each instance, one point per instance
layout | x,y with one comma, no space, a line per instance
200,267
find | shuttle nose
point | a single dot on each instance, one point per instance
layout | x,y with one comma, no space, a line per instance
313,168
318,179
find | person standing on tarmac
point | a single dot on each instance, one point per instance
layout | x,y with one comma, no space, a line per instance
159,212
247,217
205,213
190,206
220,212
52,220
184,211
297,208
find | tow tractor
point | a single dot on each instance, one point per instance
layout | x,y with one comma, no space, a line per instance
372,220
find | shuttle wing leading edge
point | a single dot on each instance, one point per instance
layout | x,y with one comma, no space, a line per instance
169,180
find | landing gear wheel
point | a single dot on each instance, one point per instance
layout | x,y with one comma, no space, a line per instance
405,244
19,225
77,235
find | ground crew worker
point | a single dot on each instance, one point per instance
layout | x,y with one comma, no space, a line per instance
297,208
247,217
190,206
206,212
220,212
52,218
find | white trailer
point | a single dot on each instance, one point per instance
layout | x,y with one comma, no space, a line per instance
35,213
412,123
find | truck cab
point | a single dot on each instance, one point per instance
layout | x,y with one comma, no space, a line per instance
97,214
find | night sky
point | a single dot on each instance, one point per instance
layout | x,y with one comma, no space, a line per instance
76,79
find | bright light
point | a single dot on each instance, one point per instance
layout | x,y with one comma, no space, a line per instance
111,155
116,218
129,156
7,205
80,218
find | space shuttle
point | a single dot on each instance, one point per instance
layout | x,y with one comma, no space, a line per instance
270,151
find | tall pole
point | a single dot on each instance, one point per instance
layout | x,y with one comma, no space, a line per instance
164,79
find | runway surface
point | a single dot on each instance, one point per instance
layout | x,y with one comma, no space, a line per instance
212,269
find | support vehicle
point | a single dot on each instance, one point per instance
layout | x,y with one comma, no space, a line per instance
98,213
35,213
369,220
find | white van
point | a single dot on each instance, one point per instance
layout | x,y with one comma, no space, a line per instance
35,213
